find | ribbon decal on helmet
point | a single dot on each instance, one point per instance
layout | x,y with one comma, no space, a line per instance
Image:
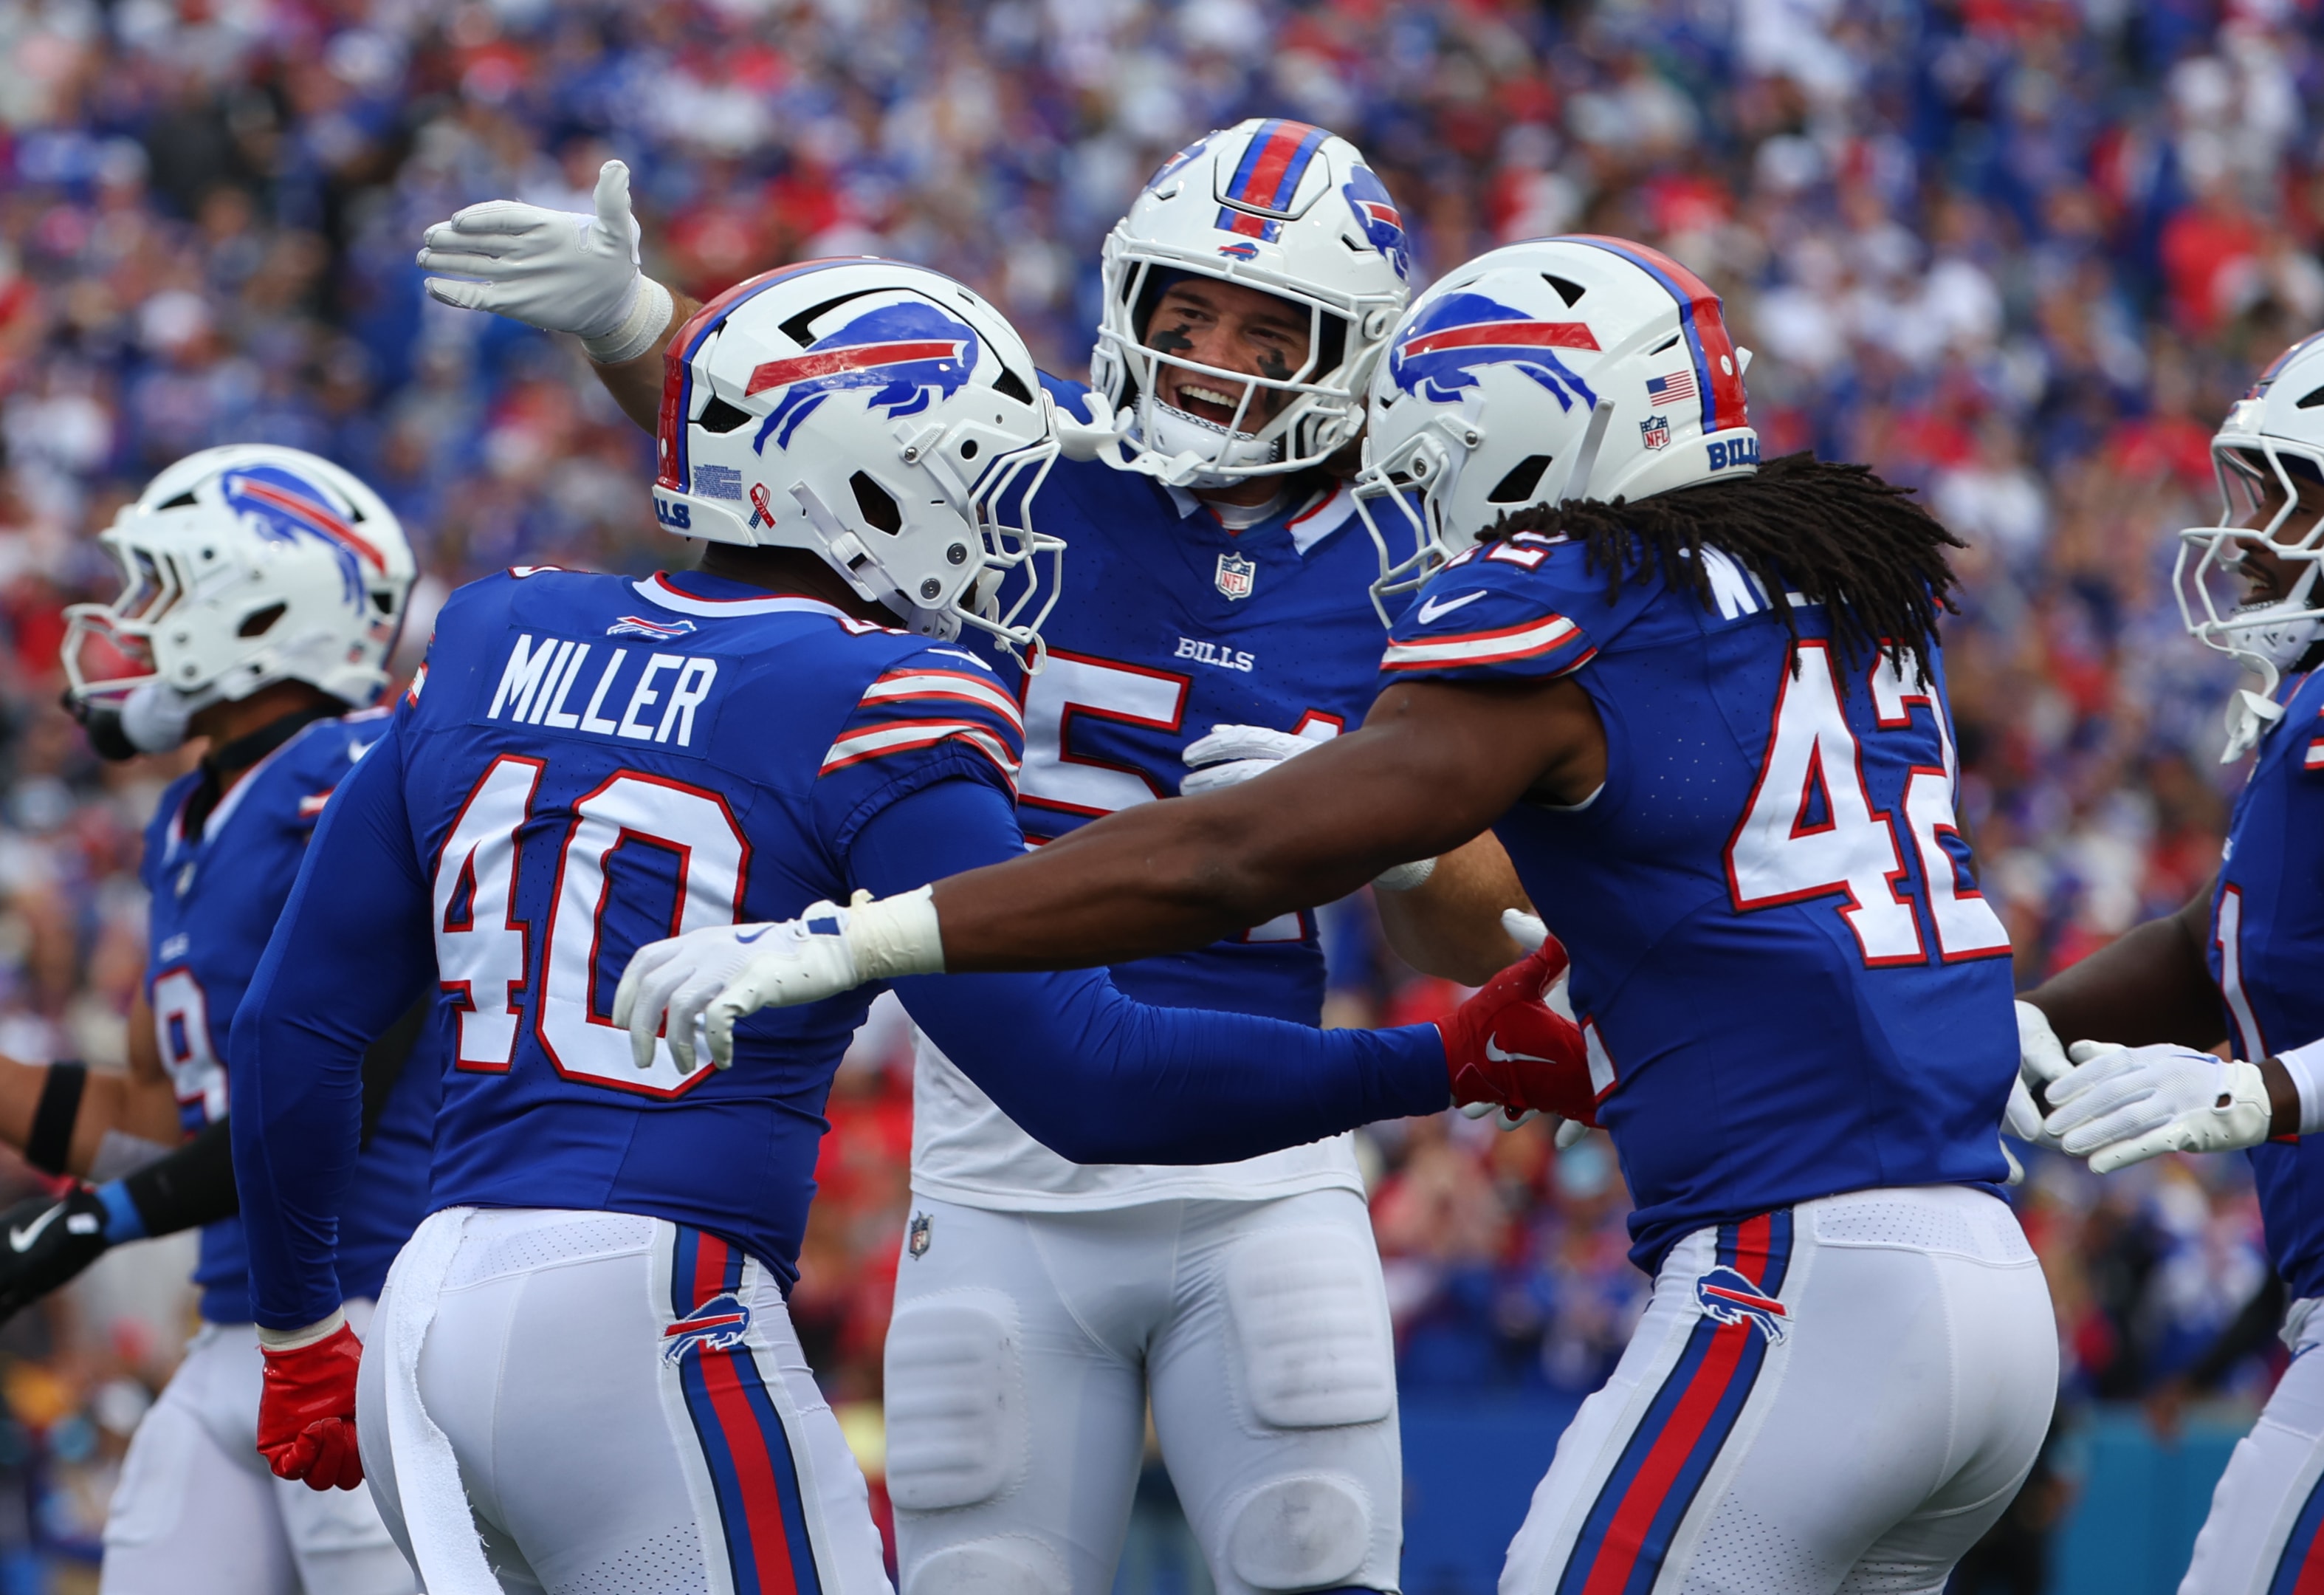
762,504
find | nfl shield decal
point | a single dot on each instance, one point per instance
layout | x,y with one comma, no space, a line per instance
1236,574
917,1245
1654,432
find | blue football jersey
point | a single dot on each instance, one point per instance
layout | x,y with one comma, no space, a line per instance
2267,943
216,897
592,763
1170,624
1788,983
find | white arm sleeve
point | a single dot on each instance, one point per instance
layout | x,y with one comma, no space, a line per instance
2305,1065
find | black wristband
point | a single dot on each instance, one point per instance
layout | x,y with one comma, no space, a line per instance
192,1186
49,1147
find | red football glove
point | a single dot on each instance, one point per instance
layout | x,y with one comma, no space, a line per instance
306,1412
1505,1045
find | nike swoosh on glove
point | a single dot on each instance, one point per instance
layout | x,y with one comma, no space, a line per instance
306,1412
48,1240
2122,1105
1505,1045
557,269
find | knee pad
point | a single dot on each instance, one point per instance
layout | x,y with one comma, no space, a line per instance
1296,1534
1012,1564
955,1400
1311,1321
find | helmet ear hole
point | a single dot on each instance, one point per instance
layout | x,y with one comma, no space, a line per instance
2313,398
879,507
1518,486
718,416
183,500
258,622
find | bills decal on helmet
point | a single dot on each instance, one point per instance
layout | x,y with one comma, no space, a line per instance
1376,215
913,354
283,507
1176,164
678,366
1267,178
1439,354
1718,376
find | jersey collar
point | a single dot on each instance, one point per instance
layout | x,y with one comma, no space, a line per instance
1311,519
714,597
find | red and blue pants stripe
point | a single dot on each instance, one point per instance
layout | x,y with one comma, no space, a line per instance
1638,1512
742,1433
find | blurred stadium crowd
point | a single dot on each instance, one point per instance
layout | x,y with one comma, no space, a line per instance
2019,254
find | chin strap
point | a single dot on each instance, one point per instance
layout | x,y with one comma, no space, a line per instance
2251,716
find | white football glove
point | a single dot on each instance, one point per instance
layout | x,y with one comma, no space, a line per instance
1233,754
556,270
1528,932
721,973
2121,1105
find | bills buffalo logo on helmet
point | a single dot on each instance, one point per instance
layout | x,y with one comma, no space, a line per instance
1378,215
1241,249
910,354
720,1322
1441,351
1724,1294
283,507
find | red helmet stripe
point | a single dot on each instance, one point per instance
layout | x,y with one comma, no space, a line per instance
1718,374
1484,334
315,515
782,373
1273,163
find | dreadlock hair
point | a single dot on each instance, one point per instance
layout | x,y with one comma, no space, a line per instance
1835,535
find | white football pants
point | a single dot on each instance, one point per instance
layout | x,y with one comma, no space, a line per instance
198,1512
2266,1531
1838,1397
631,1415
1026,1346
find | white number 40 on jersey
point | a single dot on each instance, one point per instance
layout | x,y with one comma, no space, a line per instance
1776,856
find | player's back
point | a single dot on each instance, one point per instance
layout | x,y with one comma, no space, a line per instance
216,888
2267,939
1789,984
592,763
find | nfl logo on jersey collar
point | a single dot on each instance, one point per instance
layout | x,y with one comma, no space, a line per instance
1237,574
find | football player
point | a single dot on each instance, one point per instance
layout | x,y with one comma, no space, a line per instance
263,593
1217,616
588,762
1704,709
2237,964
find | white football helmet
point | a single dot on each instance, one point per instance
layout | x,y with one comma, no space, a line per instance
2272,440
878,415
242,566
1283,207
1555,369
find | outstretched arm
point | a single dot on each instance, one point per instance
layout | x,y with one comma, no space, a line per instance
1434,765
2150,985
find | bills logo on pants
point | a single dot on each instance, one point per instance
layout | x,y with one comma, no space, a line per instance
1640,1508
734,1416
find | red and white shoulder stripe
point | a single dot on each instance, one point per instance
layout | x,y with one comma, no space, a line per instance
916,706
1545,634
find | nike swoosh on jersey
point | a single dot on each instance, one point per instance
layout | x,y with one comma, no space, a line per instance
21,1239
355,750
1431,609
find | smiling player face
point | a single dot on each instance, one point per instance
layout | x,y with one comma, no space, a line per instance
1230,327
